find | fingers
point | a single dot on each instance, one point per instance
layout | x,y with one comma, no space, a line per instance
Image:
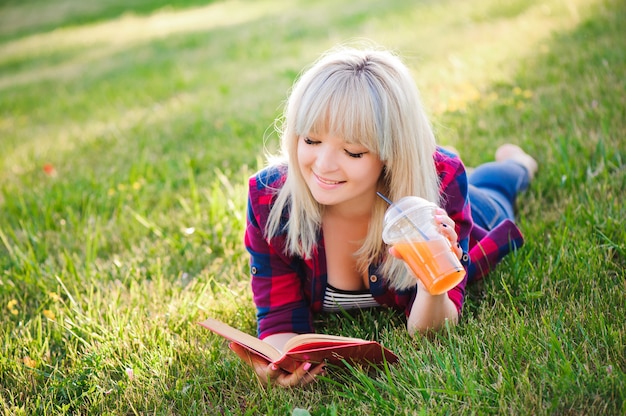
442,218
394,252
458,250
270,373
303,375
263,369
447,228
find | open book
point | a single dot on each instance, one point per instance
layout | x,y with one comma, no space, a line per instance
314,348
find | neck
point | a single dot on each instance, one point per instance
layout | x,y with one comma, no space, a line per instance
361,211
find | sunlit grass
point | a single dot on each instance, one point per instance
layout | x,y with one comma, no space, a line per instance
129,30
453,68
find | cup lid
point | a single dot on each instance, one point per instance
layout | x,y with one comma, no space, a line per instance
411,212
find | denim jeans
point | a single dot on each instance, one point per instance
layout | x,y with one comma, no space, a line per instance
493,188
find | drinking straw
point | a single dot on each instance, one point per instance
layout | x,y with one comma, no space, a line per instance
387,200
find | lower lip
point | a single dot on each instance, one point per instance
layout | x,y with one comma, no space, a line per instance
326,185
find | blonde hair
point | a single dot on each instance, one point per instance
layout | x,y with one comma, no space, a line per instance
368,97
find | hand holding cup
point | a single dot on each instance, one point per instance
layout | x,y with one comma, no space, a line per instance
412,229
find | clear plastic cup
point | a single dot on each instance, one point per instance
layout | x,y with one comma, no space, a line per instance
410,228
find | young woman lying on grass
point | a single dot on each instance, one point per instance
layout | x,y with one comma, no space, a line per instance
354,126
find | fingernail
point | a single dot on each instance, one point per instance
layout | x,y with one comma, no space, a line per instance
274,367
307,366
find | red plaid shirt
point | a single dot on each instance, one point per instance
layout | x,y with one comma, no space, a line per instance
287,289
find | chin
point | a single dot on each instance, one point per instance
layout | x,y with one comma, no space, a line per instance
323,199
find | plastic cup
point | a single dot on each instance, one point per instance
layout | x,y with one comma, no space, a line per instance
410,228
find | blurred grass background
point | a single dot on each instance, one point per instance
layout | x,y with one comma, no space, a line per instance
128,132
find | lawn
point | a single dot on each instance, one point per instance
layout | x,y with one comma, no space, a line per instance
127,136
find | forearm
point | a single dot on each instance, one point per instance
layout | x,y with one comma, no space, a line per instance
430,312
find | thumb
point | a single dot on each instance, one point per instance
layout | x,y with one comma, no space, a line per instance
393,252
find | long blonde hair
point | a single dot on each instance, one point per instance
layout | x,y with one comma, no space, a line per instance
365,96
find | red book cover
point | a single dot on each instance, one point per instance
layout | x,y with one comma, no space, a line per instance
314,348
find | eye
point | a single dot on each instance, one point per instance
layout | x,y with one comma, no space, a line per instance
355,155
308,140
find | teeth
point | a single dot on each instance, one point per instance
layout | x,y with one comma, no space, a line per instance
328,182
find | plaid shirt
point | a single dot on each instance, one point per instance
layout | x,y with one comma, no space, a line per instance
287,290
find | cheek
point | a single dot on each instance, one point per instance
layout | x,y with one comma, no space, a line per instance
371,172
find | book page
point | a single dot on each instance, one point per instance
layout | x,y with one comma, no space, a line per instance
241,338
325,339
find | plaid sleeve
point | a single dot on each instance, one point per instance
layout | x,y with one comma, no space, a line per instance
276,286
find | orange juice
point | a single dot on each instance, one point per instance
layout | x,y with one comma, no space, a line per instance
434,262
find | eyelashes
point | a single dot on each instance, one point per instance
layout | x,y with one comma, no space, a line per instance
311,142
355,155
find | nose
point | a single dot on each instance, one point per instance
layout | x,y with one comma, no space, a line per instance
325,159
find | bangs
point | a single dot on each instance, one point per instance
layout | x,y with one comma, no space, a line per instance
344,104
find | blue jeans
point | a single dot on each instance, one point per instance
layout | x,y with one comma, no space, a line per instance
493,188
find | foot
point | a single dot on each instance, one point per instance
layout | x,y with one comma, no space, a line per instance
512,152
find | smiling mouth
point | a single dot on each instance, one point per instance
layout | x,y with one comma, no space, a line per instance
328,182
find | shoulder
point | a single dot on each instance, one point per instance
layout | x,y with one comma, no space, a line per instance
264,184
269,178
447,163
450,169
263,187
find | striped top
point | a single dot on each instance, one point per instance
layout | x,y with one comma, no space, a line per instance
336,300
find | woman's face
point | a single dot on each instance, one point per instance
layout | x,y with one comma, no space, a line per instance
337,173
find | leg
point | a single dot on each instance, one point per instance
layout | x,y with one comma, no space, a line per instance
487,212
494,186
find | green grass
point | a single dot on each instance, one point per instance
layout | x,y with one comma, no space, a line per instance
152,117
